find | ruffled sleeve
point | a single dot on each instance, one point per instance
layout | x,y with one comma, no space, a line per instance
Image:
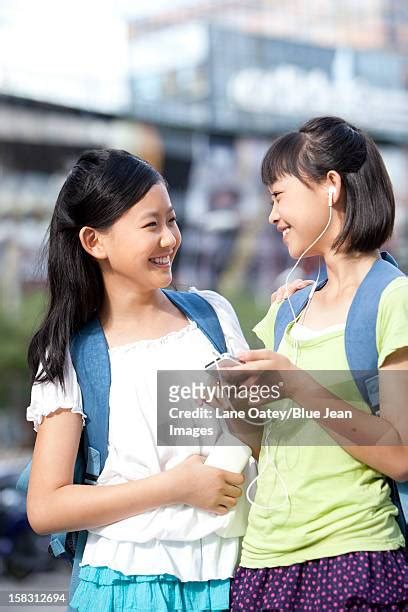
47,397
234,338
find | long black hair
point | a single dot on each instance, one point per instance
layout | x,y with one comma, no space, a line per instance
102,185
331,143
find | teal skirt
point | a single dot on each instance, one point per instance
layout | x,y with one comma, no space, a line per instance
106,590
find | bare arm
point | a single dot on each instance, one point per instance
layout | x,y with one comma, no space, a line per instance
55,504
380,442
392,426
392,460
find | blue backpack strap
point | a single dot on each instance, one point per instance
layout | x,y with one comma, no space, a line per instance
362,354
90,357
361,327
22,482
285,316
388,257
196,308
89,353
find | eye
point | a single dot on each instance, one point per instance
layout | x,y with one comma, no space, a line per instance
151,224
173,220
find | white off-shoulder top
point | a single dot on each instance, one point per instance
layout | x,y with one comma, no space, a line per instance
178,539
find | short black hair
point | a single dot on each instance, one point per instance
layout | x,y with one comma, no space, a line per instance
331,143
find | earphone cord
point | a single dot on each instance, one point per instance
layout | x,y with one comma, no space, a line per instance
301,257
267,462
287,498
251,501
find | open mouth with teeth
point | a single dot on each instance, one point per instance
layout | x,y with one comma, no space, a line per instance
286,231
161,262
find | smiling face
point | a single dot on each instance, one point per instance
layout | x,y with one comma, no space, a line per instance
141,245
300,212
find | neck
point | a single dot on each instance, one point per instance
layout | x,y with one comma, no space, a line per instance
123,303
346,271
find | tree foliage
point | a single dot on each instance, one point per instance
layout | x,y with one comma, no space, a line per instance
15,332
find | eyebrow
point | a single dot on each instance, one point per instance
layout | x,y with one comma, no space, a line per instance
152,213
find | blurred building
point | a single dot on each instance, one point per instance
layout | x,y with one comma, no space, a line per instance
39,142
223,78
262,67
199,90
366,24
209,84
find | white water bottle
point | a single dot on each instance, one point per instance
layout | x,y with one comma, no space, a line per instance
233,458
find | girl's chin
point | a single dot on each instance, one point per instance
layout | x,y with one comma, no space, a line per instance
295,249
165,280
166,283
294,252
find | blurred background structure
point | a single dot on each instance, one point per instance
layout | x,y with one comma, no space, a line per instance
199,88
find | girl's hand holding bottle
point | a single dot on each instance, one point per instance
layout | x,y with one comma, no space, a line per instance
206,487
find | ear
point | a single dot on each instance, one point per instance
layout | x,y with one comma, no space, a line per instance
92,242
333,182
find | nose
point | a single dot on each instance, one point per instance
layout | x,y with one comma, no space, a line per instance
167,239
274,216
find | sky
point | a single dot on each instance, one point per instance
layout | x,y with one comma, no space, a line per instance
71,52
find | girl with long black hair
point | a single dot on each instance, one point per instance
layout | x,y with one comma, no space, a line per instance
113,238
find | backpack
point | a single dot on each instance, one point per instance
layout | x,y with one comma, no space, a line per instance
360,345
90,358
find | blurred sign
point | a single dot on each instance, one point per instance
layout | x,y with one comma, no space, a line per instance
291,90
281,79
243,82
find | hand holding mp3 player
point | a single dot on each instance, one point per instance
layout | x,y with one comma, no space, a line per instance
226,360
227,365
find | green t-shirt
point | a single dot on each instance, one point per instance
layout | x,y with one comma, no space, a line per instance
321,501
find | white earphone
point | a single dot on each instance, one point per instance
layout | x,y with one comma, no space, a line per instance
331,191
